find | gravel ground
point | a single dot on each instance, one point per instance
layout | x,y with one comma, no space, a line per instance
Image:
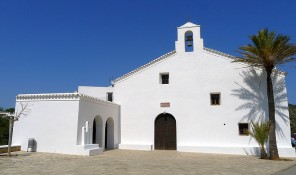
139,162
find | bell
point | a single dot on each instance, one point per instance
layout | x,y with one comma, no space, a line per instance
189,44
189,38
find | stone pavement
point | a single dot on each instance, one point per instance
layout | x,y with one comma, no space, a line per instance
290,171
139,162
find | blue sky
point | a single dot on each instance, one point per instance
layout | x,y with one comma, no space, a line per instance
54,45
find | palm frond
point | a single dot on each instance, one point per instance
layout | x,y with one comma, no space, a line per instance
267,50
259,131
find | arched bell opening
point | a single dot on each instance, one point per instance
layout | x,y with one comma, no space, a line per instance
165,135
188,41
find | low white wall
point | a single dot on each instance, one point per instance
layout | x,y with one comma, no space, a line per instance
284,152
51,122
135,147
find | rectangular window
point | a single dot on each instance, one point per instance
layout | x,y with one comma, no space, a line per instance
109,96
164,78
242,128
215,98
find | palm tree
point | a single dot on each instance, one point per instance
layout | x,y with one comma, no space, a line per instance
266,51
260,133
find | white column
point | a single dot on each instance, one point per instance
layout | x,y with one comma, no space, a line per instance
86,132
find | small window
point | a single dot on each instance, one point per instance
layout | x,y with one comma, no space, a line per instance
110,96
164,78
243,127
215,98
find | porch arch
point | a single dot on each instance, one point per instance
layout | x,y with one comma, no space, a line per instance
109,134
97,136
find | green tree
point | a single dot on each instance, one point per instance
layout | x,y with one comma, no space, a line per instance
259,132
11,110
292,114
12,117
266,51
4,131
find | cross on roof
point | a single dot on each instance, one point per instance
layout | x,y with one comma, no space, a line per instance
188,19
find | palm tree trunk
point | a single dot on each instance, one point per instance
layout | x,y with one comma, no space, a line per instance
271,107
263,153
11,122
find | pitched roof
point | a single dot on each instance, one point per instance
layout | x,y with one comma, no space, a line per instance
163,57
168,55
59,97
234,57
188,25
216,52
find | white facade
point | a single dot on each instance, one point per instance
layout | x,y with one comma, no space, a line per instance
56,121
63,123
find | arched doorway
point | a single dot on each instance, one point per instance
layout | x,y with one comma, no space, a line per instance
165,132
97,136
109,134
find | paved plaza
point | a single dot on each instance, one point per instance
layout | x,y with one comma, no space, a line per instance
139,162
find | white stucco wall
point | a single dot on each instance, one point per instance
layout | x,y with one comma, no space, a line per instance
201,127
98,92
52,123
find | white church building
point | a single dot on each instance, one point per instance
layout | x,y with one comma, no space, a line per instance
192,99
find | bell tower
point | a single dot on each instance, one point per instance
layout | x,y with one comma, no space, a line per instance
189,39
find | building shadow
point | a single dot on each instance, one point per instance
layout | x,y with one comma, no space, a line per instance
253,96
253,151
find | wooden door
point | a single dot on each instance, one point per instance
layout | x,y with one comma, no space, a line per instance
165,132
